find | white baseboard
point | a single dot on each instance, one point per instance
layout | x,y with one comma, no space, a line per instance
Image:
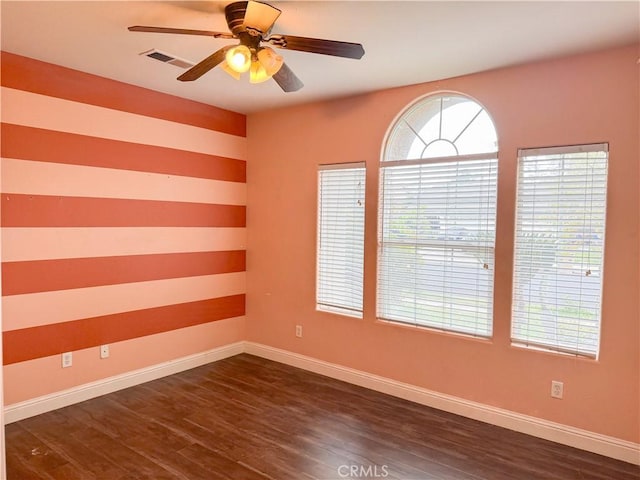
537,427
46,403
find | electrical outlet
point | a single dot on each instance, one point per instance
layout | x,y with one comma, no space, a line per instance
298,331
104,351
557,389
67,359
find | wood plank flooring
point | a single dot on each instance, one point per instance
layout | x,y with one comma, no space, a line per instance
251,419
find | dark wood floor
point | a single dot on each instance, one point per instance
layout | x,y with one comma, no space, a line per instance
248,418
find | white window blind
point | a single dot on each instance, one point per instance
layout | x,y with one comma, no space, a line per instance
436,243
559,245
341,190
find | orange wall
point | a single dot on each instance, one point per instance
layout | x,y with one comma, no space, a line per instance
123,223
582,99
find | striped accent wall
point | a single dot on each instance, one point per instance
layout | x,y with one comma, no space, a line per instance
123,216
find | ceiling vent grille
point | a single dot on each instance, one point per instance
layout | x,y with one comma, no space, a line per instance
167,58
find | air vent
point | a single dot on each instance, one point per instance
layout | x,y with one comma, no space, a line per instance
167,58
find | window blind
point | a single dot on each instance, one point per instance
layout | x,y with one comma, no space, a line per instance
436,243
340,257
559,245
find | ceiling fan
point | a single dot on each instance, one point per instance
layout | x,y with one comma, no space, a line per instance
251,23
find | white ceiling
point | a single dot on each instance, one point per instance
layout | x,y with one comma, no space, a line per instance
405,42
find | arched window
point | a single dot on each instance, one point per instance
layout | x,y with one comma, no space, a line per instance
441,126
437,216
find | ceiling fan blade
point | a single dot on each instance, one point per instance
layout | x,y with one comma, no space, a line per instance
183,31
260,16
204,66
317,45
287,79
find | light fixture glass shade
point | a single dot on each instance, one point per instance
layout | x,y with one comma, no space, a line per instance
258,74
225,66
270,60
239,58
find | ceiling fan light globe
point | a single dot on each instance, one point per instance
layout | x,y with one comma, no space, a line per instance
225,66
270,60
239,58
258,74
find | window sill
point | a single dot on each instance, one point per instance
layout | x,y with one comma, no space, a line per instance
439,331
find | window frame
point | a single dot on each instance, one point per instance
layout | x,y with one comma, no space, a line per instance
325,302
529,341
390,163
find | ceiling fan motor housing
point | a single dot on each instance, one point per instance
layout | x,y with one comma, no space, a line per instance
235,13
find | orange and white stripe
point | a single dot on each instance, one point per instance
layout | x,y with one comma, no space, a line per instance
35,110
49,308
39,178
20,244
